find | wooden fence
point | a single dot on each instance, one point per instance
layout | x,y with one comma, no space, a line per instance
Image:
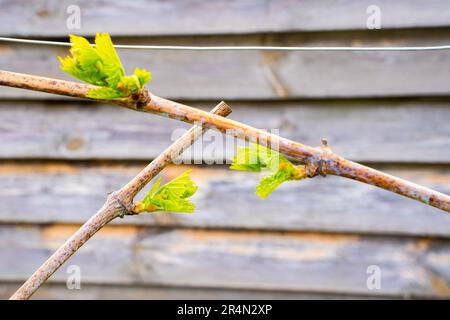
314,239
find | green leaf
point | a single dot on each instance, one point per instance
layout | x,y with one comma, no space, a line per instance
153,189
104,93
129,84
173,196
85,63
271,181
101,66
111,64
247,159
258,158
143,75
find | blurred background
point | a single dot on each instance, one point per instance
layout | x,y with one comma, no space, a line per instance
319,238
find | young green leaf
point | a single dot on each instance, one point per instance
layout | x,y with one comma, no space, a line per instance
258,158
173,196
143,76
129,85
100,65
103,93
111,64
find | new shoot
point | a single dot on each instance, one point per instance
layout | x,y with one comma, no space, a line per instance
278,169
100,66
171,197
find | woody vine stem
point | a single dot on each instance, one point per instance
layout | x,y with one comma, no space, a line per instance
118,204
316,160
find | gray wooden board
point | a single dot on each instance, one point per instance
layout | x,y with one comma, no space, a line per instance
373,131
247,260
59,193
59,291
49,18
267,75
224,256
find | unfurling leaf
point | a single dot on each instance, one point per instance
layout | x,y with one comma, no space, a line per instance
111,64
258,158
100,65
143,76
173,196
101,93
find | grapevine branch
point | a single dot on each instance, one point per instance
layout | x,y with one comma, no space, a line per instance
118,204
318,160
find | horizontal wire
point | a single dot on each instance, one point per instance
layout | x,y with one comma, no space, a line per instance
236,48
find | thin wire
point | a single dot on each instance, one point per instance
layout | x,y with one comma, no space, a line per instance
237,48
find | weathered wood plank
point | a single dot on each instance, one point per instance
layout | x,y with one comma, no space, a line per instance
268,75
219,259
59,291
48,18
373,131
71,194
